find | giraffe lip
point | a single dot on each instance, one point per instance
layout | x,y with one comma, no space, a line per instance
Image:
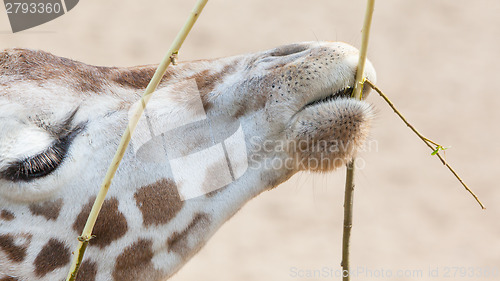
343,93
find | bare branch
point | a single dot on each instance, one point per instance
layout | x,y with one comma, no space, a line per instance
427,141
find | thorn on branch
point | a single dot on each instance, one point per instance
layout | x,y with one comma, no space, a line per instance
85,239
174,57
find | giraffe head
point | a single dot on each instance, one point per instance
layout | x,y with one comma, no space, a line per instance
216,132
291,103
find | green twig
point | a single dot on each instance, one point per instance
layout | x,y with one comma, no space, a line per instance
435,149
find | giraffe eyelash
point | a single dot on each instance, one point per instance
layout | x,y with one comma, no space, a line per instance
43,163
47,161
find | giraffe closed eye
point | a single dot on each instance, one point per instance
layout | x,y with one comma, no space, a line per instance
31,167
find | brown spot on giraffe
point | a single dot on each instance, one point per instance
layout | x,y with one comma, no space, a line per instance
90,80
15,253
9,278
111,224
7,215
50,209
42,66
159,202
134,261
87,271
135,77
179,242
206,82
213,179
239,112
52,256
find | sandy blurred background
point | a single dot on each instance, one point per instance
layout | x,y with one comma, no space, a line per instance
439,62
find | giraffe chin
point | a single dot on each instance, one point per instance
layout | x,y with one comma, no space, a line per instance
327,134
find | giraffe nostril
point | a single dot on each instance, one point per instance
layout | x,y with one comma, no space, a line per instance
288,50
